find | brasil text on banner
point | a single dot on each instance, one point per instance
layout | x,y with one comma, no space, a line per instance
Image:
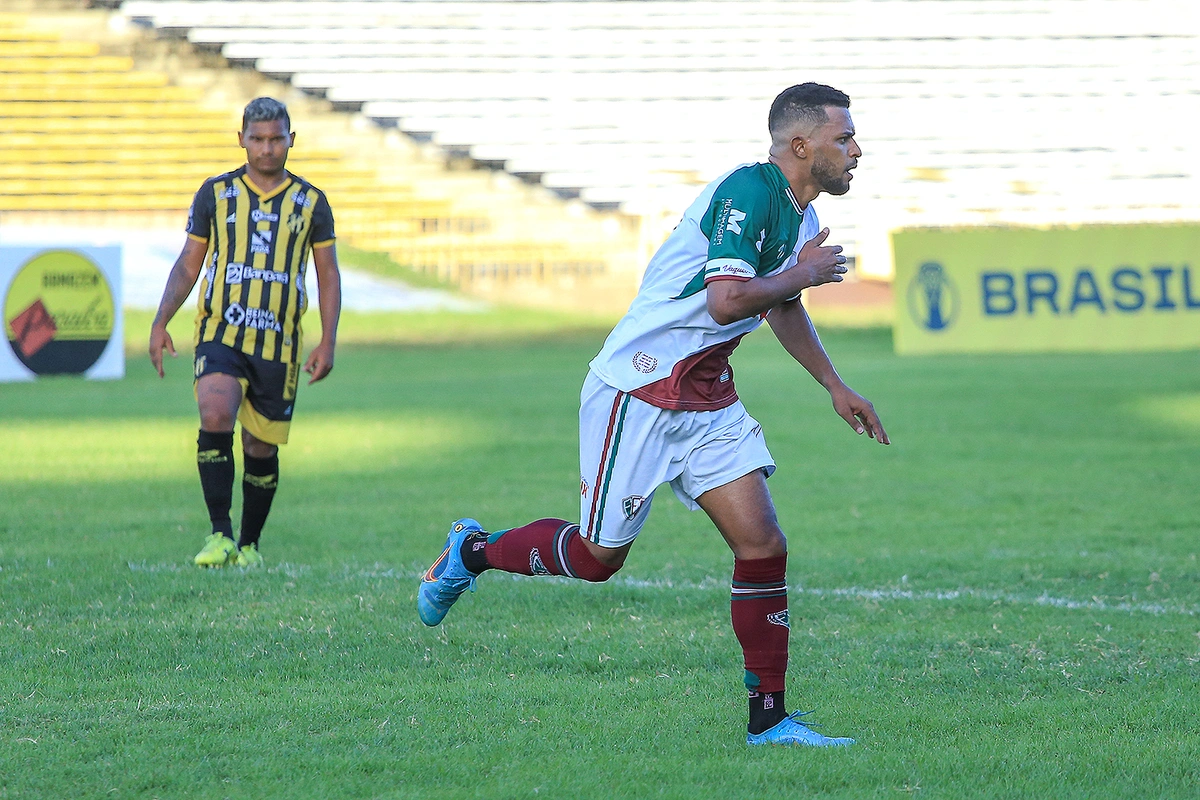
1090,288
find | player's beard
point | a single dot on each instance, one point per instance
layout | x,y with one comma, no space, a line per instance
829,177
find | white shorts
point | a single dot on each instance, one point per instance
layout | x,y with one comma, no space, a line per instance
627,448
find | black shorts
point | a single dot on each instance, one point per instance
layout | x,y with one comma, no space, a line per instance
268,388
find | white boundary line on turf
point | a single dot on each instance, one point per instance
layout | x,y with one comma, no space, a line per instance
860,593
711,583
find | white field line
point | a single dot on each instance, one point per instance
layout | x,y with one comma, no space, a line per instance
722,584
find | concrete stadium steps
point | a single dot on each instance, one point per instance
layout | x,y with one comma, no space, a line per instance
977,110
87,131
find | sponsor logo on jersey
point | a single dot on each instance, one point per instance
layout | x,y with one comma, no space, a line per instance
258,215
235,315
779,618
262,319
230,193
736,270
237,272
644,363
733,221
232,218
257,318
724,377
762,237
260,242
300,199
536,567
583,486
632,505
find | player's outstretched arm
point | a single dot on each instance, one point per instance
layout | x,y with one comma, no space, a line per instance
817,263
791,324
329,294
179,286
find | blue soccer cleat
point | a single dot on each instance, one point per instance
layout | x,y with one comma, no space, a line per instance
448,578
791,730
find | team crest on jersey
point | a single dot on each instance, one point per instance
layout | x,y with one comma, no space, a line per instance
779,618
296,222
644,363
632,505
536,567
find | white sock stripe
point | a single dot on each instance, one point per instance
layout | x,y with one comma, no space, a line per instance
560,546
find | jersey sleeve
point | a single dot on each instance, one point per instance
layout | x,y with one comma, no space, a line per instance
736,225
322,222
200,215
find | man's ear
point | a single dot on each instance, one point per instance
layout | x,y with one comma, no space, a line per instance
799,147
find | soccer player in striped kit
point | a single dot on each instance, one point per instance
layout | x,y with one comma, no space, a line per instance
250,232
659,405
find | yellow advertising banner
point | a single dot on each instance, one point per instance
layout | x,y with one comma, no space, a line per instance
1090,288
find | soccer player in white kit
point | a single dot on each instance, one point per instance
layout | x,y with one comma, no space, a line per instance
659,405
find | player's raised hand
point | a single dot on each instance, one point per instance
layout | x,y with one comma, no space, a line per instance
858,413
822,263
320,362
160,340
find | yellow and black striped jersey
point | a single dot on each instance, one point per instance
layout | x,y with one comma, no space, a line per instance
252,292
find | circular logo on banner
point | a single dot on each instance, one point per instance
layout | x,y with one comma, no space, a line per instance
933,297
59,313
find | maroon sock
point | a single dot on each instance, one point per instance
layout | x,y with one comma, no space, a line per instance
545,547
758,605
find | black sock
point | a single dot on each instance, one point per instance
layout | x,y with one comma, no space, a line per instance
259,481
214,458
766,710
473,552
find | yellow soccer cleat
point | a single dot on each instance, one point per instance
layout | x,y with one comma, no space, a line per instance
218,551
248,557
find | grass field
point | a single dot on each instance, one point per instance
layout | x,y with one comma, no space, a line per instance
1005,603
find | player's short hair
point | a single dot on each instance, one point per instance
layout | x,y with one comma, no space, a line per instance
803,106
265,109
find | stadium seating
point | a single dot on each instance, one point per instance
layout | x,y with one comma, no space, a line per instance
84,132
969,111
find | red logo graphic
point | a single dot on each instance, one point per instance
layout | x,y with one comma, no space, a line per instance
34,328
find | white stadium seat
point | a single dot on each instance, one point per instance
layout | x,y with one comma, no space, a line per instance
1005,111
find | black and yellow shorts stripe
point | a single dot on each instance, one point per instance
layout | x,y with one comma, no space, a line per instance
268,388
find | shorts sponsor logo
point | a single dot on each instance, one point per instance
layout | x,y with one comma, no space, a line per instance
199,366
644,363
258,215
536,566
632,505
779,618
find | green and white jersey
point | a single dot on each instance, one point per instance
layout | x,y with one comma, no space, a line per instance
667,349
